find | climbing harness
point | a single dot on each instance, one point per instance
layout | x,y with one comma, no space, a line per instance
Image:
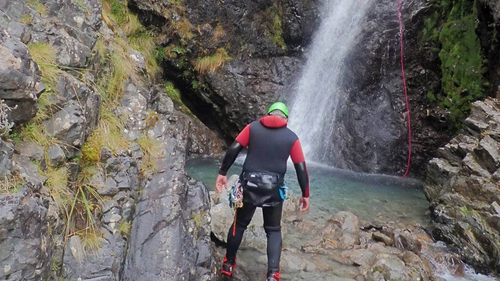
236,201
404,85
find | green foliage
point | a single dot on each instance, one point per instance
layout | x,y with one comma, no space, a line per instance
211,63
461,60
431,31
431,97
452,27
274,25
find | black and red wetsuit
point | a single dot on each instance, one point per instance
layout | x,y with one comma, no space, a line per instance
269,144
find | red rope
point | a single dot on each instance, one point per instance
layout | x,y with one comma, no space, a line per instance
405,88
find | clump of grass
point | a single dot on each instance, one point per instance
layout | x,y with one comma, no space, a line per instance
45,55
92,240
39,7
218,33
107,134
151,149
35,132
211,63
26,19
125,228
121,66
183,28
57,183
12,183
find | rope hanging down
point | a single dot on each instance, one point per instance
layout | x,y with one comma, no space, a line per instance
404,85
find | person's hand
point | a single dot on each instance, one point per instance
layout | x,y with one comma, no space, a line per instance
304,204
220,182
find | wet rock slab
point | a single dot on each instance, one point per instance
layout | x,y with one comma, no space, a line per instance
463,188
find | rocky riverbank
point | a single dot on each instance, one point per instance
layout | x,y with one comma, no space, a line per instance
339,248
464,191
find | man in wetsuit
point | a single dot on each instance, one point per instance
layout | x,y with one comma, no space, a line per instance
269,143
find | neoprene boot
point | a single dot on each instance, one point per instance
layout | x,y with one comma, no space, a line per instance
273,276
228,267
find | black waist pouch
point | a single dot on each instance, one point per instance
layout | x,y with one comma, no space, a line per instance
261,189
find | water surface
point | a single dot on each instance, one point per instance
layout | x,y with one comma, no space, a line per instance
374,199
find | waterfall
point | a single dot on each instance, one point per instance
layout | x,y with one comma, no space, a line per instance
319,90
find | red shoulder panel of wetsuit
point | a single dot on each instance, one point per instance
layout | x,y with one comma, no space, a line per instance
296,153
273,121
244,137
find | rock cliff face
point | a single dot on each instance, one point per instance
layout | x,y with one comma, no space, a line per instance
464,191
259,44
93,186
263,47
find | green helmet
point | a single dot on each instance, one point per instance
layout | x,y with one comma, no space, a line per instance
278,106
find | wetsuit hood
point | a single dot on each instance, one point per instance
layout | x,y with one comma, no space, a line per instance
273,121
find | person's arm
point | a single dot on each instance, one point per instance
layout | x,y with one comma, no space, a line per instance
299,162
240,142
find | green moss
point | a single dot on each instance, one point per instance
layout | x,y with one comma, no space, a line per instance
431,97
465,210
431,31
198,218
452,27
174,94
461,61
26,19
275,25
38,6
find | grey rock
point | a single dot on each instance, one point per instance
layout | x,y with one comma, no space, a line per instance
28,170
377,236
496,207
488,154
25,238
391,267
470,161
20,83
348,222
56,155
102,264
464,195
162,230
31,150
6,151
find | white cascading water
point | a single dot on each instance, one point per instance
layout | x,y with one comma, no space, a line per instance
315,101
